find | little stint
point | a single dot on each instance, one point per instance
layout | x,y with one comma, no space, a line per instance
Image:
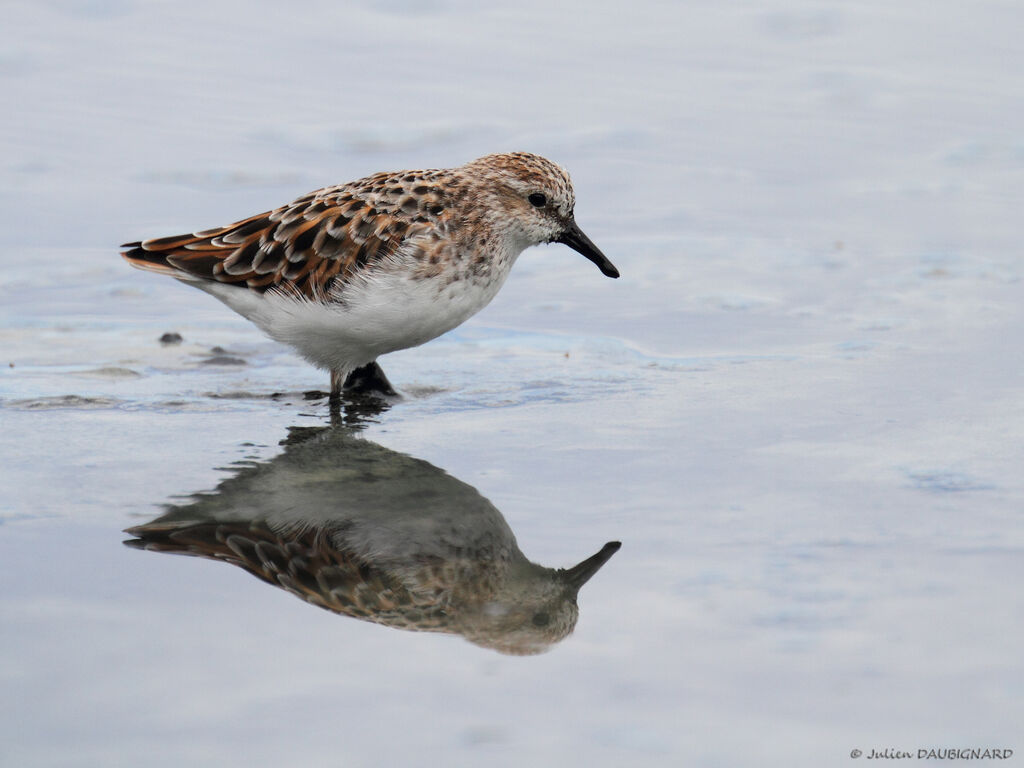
351,272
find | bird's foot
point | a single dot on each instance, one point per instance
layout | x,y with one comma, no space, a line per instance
366,380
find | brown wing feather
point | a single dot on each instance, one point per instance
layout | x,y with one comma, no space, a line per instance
306,246
306,564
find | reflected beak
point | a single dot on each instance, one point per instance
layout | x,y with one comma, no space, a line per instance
580,574
573,237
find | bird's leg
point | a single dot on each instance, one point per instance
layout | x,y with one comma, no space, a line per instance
367,379
336,384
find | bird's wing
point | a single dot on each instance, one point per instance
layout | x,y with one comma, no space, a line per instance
310,244
307,564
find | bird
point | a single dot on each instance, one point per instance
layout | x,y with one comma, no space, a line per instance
350,272
363,531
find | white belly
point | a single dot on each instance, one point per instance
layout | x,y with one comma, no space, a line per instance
375,316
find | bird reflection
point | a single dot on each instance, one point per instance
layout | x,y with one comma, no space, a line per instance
367,532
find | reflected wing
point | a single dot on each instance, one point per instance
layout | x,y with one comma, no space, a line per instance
306,246
307,565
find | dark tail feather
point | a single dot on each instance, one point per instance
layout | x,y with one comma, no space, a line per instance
152,255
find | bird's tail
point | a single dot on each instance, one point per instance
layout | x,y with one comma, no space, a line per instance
183,256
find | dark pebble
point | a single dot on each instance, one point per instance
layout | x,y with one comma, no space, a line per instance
223,360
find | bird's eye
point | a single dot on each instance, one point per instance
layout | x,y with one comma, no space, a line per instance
541,619
537,200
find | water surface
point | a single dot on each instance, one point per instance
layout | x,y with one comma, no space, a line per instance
799,409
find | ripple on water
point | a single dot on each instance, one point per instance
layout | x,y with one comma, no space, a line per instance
110,372
947,481
63,401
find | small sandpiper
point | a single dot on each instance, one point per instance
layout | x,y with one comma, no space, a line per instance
351,272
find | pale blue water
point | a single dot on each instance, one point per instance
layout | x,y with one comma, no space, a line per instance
799,409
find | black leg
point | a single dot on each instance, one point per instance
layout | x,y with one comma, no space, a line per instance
369,379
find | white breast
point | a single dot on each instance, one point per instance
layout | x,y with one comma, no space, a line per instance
379,313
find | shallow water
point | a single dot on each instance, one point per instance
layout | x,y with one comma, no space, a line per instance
799,409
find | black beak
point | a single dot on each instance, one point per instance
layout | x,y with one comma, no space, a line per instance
573,237
580,574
